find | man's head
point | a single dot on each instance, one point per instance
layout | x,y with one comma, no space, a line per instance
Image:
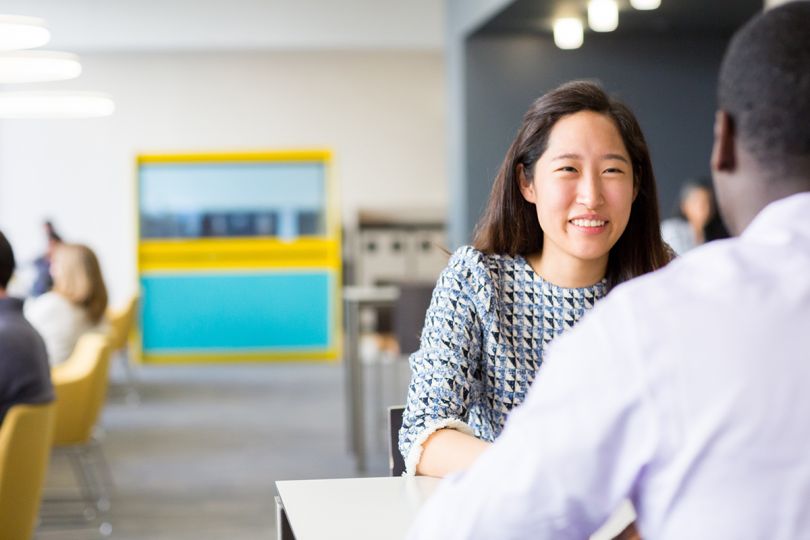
6,262
762,130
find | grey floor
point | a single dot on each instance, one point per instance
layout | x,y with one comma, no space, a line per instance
197,458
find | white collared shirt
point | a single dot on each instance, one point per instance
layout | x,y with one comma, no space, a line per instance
687,391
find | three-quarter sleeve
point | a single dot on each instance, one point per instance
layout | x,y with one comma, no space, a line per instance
446,369
569,454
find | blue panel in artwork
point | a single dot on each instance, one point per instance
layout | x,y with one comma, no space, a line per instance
247,311
190,200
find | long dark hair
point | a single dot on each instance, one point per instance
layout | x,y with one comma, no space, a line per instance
509,224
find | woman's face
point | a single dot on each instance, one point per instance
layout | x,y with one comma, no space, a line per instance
697,206
583,189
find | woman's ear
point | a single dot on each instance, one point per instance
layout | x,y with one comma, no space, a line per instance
526,185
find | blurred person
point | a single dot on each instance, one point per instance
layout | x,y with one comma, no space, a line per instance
685,390
25,376
687,229
573,212
75,305
43,282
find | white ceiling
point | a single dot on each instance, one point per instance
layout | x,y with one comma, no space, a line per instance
161,25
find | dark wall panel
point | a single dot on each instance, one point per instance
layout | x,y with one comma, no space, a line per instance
669,82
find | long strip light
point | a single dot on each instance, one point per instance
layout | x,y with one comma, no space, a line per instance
18,32
38,66
568,33
603,15
55,104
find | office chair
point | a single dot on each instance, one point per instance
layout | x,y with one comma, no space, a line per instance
80,385
121,322
25,442
396,463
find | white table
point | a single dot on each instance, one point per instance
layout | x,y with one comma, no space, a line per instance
371,508
351,508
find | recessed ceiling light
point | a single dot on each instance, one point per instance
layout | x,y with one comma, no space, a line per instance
568,33
645,5
603,15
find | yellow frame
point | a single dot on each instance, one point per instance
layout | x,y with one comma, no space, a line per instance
159,256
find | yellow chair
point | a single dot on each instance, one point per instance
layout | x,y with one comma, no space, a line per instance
25,442
121,322
80,385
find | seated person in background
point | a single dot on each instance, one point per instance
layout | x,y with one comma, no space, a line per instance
43,280
695,209
573,212
25,376
74,306
685,390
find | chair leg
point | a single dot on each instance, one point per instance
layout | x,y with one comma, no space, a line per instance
80,472
100,470
95,485
132,396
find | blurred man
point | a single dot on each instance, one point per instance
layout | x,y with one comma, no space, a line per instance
687,390
25,375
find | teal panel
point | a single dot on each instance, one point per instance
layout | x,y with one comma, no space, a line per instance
236,311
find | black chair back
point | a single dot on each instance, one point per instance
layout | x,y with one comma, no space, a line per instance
396,463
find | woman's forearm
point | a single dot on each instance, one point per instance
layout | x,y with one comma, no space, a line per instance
447,451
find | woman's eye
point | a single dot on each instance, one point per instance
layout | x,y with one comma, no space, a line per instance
613,170
567,169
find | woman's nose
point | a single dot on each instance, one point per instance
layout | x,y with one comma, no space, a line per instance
589,191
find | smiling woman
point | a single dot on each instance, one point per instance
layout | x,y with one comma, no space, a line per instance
583,188
573,212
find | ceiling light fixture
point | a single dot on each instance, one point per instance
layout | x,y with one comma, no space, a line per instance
603,15
38,66
17,32
568,33
645,5
55,104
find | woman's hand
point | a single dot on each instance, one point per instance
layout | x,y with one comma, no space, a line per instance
447,451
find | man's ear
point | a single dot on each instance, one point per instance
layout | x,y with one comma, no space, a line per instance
526,185
724,157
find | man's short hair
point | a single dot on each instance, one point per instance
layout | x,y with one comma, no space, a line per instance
6,261
765,84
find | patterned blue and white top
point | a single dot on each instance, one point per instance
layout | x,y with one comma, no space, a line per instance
489,321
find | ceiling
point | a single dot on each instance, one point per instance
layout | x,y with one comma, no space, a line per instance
165,25
674,16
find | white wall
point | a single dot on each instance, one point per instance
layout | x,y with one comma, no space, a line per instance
382,113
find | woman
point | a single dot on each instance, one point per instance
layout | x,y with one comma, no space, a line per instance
573,213
687,229
74,306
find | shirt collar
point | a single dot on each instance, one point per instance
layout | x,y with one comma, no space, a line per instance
781,220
